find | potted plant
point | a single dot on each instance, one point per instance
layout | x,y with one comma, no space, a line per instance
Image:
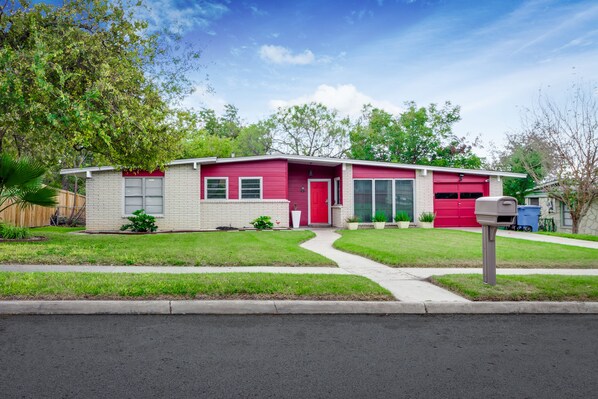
352,222
426,220
296,217
402,218
379,220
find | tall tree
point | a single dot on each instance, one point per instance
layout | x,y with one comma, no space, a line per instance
567,133
519,156
255,139
418,135
88,76
309,129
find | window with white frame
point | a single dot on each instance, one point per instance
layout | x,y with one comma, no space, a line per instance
567,221
337,191
216,188
382,195
144,193
250,188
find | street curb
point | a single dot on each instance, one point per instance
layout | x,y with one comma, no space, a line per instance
241,307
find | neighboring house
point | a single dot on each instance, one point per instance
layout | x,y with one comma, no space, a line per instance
194,194
554,209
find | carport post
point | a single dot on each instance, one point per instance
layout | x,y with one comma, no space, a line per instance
489,254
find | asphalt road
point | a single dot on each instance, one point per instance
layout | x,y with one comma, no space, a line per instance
553,356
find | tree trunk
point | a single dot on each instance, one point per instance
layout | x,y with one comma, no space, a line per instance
574,225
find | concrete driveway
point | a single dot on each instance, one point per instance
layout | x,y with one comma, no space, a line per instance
533,237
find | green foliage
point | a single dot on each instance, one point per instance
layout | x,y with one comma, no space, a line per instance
419,135
21,183
309,129
141,222
352,219
10,232
255,139
402,217
427,217
262,223
519,156
379,217
88,76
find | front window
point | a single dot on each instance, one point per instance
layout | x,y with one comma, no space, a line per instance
363,200
388,196
250,188
534,201
567,221
337,191
216,188
144,193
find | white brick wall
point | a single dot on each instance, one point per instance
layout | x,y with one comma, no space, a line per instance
238,213
181,199
424,193
340,214
105,200
495,186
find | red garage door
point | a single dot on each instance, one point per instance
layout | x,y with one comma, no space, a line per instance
454,198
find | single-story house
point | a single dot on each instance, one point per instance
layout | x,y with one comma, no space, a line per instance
552,208
205,193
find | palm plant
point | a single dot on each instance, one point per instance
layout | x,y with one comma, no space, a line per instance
21,183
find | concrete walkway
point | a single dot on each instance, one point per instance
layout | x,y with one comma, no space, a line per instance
534,237
404,286
425,272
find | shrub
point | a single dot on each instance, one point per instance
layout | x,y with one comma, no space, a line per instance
141,222
10,232
427,217
262,223
352,219
379,217
402,217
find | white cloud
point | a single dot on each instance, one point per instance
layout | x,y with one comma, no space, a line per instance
344,98
282,55
202,98
182,16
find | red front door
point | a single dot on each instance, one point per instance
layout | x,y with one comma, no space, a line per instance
318,203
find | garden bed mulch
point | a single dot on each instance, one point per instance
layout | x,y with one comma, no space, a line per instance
114,232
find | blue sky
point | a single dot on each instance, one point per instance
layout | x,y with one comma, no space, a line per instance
489,57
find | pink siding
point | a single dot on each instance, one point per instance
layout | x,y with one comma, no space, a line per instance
143,173
273,174
443,177
380,172
298,175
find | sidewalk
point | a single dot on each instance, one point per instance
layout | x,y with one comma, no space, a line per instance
533,237
404,286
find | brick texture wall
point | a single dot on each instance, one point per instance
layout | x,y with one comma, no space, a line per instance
238,213
424,193
105,200
342,212
495,186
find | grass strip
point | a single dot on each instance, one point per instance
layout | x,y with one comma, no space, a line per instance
239,248
585,237
453,248
58,285
534,287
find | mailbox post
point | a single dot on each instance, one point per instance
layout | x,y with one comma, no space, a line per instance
491,213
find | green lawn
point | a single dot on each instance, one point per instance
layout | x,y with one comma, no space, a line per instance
452,248
18,285
522,288
241,248
586,237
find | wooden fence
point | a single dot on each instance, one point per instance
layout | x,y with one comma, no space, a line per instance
69,204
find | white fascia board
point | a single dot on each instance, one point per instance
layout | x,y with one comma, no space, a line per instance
91,169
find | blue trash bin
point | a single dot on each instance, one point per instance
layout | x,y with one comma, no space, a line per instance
528,217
